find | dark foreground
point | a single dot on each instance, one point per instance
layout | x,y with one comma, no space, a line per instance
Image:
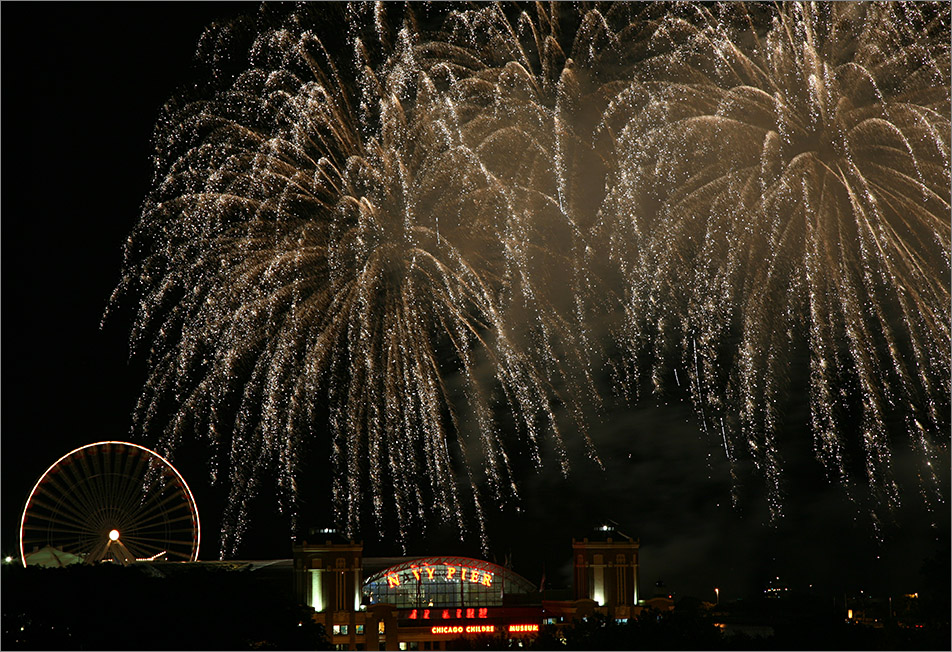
113,608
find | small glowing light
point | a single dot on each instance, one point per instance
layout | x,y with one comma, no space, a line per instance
7,559
114,535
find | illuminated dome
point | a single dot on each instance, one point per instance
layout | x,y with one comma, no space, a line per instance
444,582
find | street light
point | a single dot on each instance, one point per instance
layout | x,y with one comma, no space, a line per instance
717,592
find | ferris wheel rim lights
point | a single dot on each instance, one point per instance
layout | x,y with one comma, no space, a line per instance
193,506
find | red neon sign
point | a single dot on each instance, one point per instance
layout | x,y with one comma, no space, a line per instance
461,629
447,629
480,629
446,614
516,629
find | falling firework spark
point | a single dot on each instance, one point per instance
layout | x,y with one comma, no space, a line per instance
384,251
784,178
330,236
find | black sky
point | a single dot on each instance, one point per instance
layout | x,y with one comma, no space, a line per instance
82,85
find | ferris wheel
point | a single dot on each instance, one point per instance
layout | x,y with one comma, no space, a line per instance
112,500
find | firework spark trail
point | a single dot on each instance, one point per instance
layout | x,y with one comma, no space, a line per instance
317,238
367,251
816,200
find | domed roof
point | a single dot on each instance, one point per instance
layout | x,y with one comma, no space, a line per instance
517,582
444,581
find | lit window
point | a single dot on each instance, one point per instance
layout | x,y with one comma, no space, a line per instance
381,627
336,630
360,630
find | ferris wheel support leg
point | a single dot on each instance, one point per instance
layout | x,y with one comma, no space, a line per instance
112,550
120,553
98,553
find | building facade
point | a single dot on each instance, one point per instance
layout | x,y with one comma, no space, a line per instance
421,603
606,571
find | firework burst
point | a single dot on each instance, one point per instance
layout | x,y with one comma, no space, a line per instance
395,251
783,181
341,244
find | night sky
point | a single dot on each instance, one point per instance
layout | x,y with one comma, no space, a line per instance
82,87
83,84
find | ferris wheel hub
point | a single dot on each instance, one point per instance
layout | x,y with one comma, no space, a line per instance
113,535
